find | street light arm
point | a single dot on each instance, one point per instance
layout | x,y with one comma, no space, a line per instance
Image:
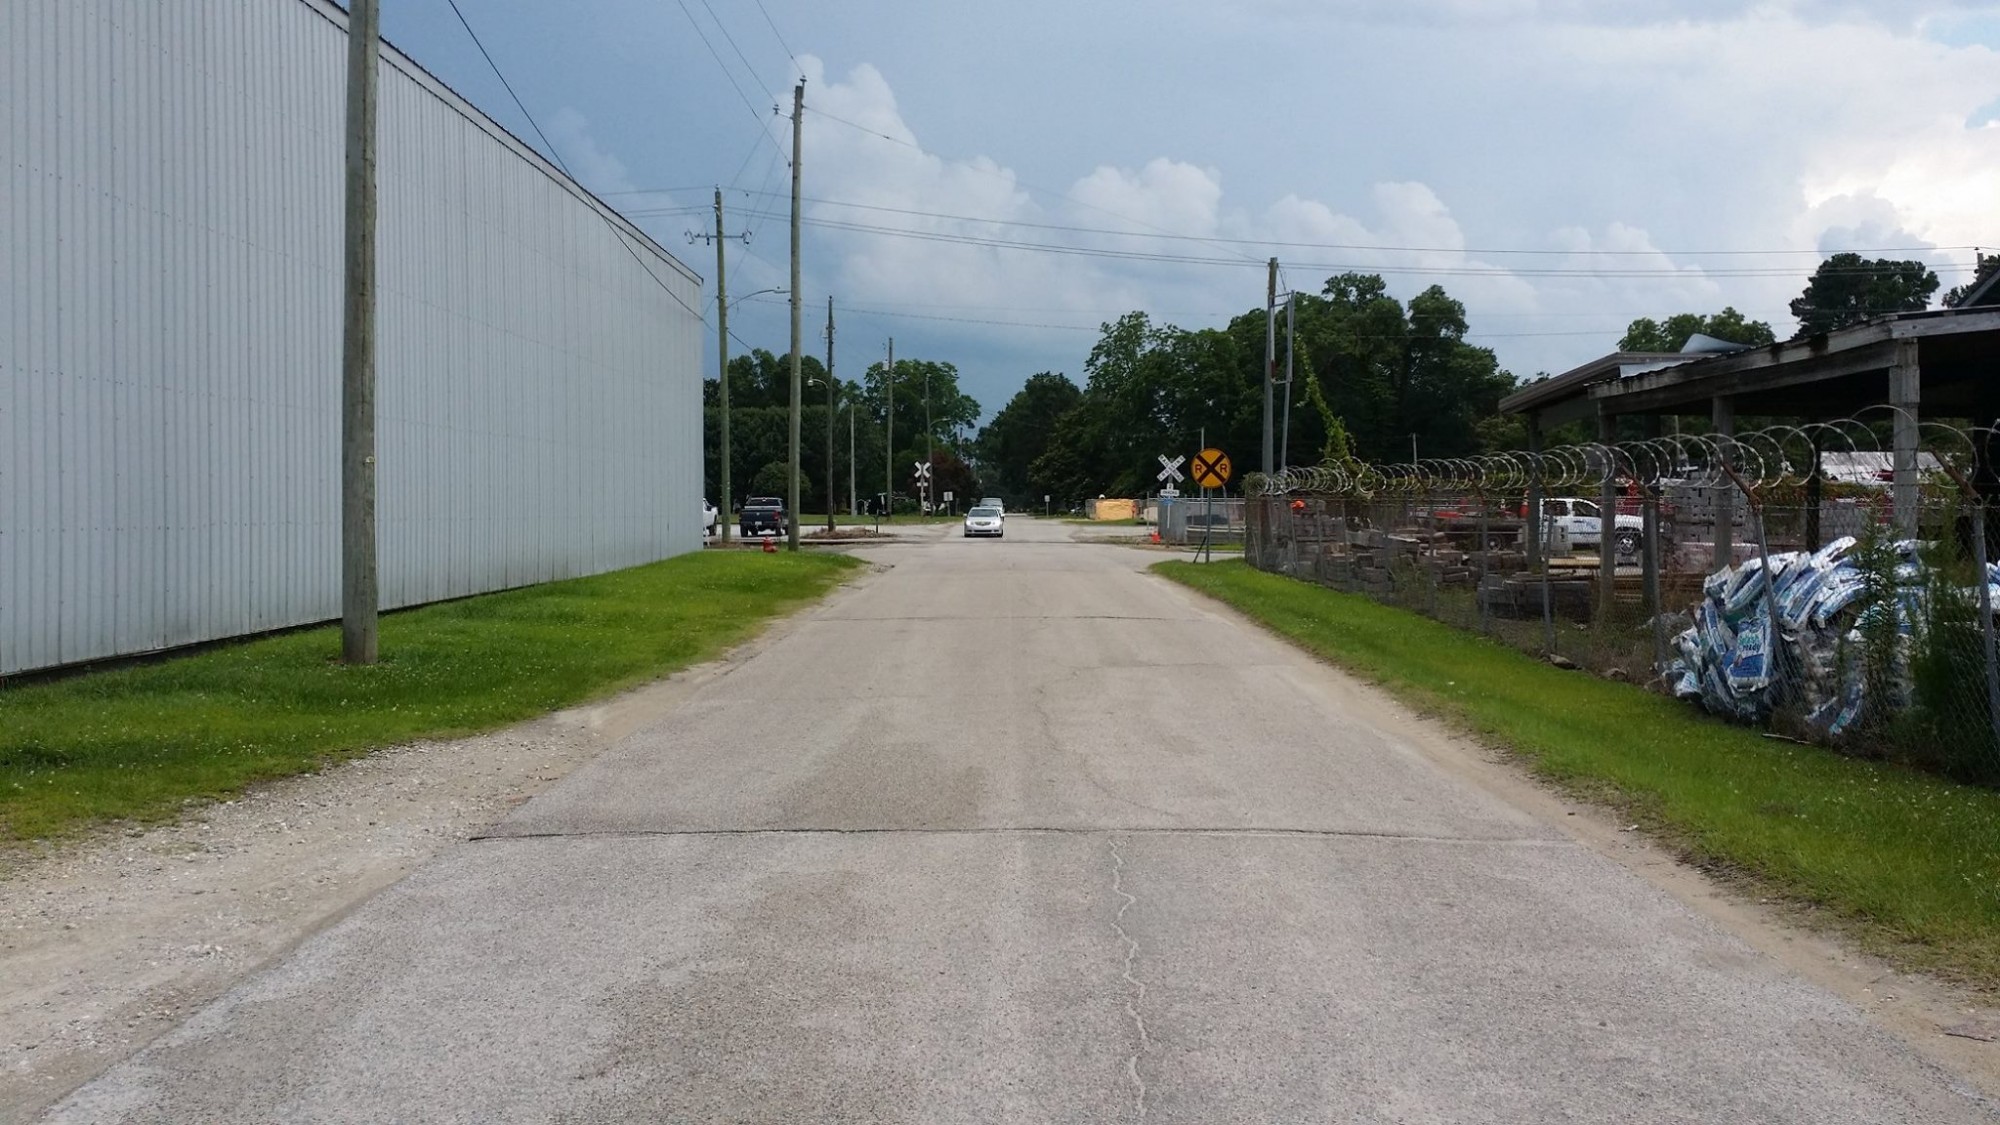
734,301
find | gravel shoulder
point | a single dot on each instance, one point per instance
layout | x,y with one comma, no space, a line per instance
110,941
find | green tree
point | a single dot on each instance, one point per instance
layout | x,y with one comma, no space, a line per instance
1847,289
1020,433
918,382
1649,335
1985,264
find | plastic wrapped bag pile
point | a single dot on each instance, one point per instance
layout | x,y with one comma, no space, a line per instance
1737,664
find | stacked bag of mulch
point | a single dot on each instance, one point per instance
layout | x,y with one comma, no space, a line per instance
1739,663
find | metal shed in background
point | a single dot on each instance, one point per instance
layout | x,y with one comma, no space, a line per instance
170,272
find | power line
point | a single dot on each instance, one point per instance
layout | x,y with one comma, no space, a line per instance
1164,257
781,39
616,231
1008,177
724,28
755,114
509,86
1267,242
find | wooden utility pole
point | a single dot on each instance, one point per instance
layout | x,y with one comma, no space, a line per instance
360,585
1270,355
722,351
889,433
829,414
1291,349
798,391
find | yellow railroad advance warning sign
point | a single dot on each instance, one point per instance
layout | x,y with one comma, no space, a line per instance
1210,468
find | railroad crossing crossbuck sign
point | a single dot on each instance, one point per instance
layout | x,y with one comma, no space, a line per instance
1170,471
1210,468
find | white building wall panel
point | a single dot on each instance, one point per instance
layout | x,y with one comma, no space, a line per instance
170,294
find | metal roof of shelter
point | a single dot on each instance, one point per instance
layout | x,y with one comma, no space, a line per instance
1956,351
1562,398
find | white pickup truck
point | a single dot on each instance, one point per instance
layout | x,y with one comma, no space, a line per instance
1584,523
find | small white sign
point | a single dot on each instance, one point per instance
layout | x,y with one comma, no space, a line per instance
1171,470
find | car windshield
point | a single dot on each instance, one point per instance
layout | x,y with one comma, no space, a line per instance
983,513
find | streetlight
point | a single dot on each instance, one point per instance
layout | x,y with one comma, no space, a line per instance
847,406
723,344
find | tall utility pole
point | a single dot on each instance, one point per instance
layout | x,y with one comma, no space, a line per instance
889,434
798,388
829,415
360,586
1291,349
1270,355
930,452
722,351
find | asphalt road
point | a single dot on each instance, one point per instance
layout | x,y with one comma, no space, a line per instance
1016,832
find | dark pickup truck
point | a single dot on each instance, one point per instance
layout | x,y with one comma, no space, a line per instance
761,514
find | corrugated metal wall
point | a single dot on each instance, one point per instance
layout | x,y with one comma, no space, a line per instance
170,272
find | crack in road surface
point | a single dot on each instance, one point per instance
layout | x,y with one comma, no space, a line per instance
1039,830
1138,995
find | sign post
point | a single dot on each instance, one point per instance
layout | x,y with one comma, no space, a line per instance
1211,470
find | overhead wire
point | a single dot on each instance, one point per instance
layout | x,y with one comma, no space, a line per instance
800,67
615,229
756,114
509,87
1165,257
1356,246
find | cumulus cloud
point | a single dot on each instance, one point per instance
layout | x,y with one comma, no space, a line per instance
1598,162
1108,223
593,167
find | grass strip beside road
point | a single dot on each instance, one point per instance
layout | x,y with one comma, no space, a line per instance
1907,863
139,741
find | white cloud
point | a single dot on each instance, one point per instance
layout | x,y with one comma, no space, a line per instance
591,165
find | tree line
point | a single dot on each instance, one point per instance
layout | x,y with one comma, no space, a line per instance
760,420
1374,378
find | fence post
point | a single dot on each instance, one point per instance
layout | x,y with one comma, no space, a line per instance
1775,638
1485,562
1986,614
1548,608
1986,639
1650,510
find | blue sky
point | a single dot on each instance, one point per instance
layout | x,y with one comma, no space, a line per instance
1561,166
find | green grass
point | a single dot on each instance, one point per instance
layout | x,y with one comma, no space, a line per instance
1907,863
139,741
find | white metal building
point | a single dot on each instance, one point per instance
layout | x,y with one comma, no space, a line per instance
170,300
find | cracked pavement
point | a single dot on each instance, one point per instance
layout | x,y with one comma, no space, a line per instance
1016,832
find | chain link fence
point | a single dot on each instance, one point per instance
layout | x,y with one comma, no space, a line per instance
1794,578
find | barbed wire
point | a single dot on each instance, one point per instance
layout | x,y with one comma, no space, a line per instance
1774,456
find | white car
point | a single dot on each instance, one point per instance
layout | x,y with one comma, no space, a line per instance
985,521
711,519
